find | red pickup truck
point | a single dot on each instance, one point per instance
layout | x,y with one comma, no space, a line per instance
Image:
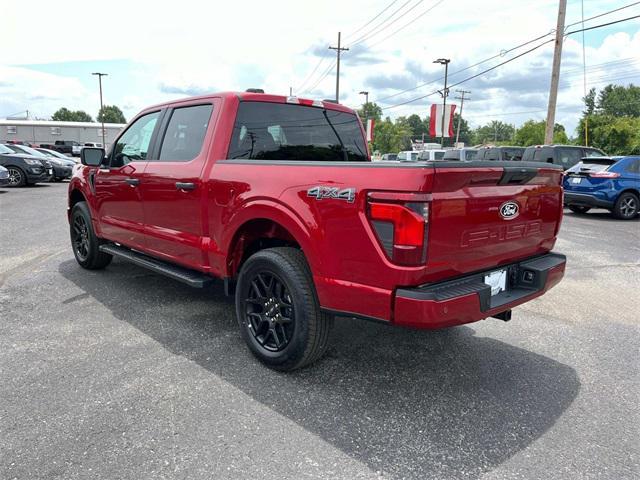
277,197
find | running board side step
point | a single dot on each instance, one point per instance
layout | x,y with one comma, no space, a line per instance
192,278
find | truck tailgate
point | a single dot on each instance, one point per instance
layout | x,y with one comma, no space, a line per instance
484,214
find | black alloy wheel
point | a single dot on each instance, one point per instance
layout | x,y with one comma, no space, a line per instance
80,237
17,177
269,312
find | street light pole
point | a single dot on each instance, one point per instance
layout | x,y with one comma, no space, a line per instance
100,75
366,99
445,62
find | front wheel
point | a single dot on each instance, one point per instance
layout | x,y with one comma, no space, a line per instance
84,241
626,206
17,177
278,311
579,209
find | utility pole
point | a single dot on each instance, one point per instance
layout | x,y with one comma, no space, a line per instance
100,75
461,97
291,91
445,92
338,50
555,73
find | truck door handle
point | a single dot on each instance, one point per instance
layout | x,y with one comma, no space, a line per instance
185,185
133,181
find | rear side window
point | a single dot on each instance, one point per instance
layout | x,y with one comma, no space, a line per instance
451,155
633,166
274,131
513,154
438,155
568,157
185,133
592,152
492,154
470,155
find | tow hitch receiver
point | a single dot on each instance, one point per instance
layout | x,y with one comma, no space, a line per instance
505,316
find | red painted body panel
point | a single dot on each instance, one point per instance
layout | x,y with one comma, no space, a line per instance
352,273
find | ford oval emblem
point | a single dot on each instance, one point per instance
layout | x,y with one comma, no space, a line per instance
509,210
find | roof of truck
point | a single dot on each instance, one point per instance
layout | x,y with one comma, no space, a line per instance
261,97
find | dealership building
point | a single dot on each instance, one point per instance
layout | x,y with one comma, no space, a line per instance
44,131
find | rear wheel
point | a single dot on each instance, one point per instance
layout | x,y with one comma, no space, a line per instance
17,177
278,311
626,206
579,209
84,241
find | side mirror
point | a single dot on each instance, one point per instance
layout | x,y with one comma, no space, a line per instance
92,156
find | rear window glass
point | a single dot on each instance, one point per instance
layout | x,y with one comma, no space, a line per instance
185,133
438,155
452,155
594,165
470,154
274,131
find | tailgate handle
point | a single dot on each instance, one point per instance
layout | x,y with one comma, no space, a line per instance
185,185
517,175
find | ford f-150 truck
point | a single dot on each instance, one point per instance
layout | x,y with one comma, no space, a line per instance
277,197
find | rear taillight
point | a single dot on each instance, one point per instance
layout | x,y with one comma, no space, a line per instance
401,228
604,175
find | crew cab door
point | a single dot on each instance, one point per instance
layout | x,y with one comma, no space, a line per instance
171,187
117,185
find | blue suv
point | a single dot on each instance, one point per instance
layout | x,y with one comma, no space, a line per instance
604,182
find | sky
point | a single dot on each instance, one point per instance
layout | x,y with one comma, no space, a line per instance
154,51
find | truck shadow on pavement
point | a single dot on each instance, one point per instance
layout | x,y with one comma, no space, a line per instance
406,403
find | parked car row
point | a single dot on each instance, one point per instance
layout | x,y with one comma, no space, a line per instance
591,178
26,165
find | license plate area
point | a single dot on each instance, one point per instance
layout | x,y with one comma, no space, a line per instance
497,280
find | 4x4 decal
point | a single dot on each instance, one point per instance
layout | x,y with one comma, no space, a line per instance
322,192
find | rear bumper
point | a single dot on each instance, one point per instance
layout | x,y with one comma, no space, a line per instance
586,200
469,299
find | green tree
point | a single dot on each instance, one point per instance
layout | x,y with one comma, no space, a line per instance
111,114
370,110
65,115
614,135
493,132
465,135
619,100
417,126
532,133
391,137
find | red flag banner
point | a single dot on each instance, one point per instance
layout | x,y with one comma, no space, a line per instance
370,125
435,121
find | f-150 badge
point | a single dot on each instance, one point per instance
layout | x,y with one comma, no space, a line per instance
322,192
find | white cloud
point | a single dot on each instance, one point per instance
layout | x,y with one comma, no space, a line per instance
192,46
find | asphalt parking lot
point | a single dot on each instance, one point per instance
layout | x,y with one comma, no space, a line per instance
125,374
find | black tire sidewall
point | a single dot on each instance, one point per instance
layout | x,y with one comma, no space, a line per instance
299,291
81,209
617,211
23,177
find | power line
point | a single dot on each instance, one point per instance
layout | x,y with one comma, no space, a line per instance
602,14
381,29
407,24
377,27
369,22
510,60
601,25
322,59
502,53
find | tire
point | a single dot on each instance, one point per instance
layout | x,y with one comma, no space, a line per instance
84,242
17,177
579,209
276,284
626,206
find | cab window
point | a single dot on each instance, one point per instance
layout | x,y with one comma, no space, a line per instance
185,133
568,157
133,145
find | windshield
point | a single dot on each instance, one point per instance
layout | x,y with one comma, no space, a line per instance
32,151
592,165
275,131
5,149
